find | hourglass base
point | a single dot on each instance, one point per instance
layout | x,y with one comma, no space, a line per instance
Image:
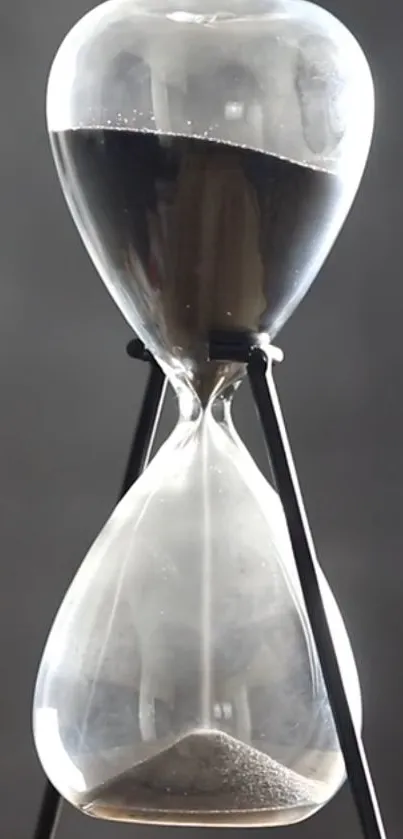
207,778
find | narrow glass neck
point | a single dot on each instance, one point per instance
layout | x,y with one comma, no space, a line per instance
210,392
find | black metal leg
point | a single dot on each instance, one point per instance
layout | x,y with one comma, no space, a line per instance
52,802
49,813
146,427
268,407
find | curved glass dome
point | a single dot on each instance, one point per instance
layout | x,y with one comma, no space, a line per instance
191,236
180,682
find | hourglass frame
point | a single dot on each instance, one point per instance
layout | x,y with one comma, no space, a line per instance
244,347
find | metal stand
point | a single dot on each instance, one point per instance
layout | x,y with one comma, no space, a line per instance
51,804
244,347
357,768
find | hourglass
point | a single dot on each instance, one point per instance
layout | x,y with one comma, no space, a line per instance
198,671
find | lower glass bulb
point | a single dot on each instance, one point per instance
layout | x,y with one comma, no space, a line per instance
180,682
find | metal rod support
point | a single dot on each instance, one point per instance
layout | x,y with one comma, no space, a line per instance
49,813
52,802
268,407
146,427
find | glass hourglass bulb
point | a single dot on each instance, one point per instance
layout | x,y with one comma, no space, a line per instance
209,156
180,682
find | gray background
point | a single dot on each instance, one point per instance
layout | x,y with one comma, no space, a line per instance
69,397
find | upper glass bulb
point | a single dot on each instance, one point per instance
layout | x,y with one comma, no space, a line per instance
209,154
